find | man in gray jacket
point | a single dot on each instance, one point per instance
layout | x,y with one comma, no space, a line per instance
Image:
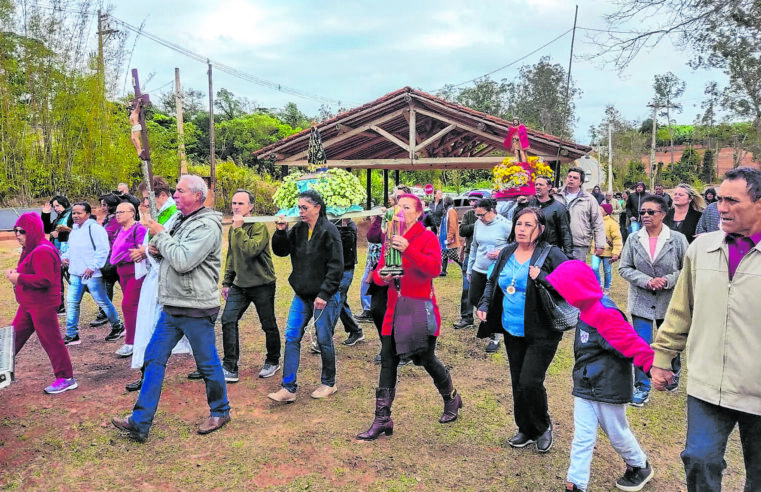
586,220
190,251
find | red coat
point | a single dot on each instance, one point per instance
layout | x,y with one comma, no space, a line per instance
422,263
39,268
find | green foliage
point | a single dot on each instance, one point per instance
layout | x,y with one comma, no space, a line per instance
635,172
686,170
231,177
238,138
708,168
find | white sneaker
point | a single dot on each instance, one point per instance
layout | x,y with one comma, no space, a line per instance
124,351
324,391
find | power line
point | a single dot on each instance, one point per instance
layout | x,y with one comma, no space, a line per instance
226,68
514,61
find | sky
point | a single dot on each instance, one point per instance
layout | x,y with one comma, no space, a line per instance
355,52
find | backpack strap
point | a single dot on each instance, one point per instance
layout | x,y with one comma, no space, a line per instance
89,229
543,255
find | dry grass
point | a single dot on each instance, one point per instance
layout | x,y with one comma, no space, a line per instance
65,442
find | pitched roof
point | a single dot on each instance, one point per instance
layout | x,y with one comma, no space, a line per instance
446,135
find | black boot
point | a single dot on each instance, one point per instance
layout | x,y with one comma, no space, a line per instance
382,424
136,385
452,401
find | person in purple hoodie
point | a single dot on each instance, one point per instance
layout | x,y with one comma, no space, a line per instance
37,285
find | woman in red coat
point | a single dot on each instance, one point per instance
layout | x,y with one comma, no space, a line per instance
37,284
421,261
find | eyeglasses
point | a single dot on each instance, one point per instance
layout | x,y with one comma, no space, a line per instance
18,230
480,215
649,212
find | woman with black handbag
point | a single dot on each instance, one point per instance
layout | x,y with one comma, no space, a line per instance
412,320
511,305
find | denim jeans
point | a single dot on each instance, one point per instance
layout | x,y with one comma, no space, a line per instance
644,328
97,288
364,297
612,419
466,308
605,260
238,300
350,326
708,429
634,227
299,316
169,331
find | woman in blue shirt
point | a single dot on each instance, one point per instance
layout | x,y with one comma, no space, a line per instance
510,305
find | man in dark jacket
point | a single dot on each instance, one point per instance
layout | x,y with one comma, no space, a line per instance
348,231
632,207
249,277
314,245
467,225
558,230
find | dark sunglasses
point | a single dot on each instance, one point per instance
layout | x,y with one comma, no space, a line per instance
649,212
18,230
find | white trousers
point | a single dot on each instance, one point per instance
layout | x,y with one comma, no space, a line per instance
612,419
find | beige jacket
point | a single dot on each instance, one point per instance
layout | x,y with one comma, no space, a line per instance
717,321
586,219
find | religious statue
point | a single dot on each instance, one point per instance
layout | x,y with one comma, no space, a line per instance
517,140
395,225
134,119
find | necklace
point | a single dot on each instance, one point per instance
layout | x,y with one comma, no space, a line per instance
511,288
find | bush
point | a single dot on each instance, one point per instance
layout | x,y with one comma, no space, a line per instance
231,177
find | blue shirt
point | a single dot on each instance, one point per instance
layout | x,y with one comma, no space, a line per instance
513,305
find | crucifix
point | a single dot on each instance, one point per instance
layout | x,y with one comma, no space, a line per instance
139,137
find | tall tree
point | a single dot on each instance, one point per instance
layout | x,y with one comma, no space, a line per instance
668,88
708,168
486,95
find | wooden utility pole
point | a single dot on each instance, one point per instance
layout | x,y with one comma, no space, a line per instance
610,158
180,123
212,163
652,148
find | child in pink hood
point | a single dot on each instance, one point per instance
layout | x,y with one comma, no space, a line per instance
604,347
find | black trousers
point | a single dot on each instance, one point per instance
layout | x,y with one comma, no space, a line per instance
529,360
477,286
238,300
429,361
378,305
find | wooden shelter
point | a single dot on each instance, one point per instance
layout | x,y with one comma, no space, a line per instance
414,131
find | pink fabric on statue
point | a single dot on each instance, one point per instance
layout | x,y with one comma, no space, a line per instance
522,137
576,282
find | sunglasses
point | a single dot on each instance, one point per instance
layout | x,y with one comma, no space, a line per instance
649,212
480,215
18,230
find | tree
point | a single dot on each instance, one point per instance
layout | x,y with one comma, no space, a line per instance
291,115
708,169
193,102
487,96
229,105
635,172
668,88
686,169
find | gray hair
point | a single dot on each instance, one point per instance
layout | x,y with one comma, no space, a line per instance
196,184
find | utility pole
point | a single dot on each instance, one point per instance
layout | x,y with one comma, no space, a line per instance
610,158
180,123
212,164
652,147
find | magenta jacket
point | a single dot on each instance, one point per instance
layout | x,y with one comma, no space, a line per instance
125,240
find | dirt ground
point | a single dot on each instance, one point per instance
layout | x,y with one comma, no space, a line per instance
65,442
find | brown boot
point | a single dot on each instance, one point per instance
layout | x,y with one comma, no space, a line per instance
452,401
382,424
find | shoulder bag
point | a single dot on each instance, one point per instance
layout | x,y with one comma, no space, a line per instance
562,316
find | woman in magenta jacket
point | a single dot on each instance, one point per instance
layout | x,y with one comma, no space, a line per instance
37,285
421,261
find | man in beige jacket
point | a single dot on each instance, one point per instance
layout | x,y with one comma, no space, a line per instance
714,312
585,217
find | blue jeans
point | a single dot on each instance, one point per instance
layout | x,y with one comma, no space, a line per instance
299,316
587,415
634,227
364,297
350,326
605,260
466,308
169,331
97,288
708,429
644,328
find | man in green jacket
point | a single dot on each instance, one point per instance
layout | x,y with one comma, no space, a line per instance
714,311
249,277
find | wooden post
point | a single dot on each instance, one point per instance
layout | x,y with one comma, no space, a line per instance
210,199
396,177
369,189
385,187
180,123
413,132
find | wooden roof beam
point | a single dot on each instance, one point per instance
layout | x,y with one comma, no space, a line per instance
432,138
465,127
391,137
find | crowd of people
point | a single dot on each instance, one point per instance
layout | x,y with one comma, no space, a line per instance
691,269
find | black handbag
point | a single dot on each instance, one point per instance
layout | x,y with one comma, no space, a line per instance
562,316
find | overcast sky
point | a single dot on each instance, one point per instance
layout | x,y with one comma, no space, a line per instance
354,52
